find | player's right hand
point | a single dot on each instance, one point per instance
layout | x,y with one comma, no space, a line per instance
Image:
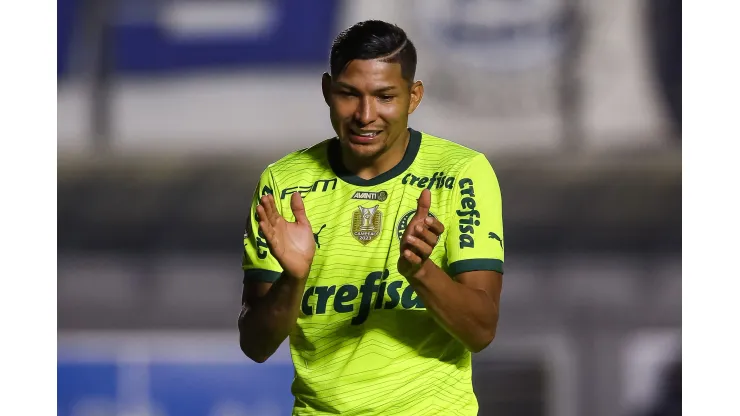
291,243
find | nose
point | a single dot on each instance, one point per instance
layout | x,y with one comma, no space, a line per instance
366,112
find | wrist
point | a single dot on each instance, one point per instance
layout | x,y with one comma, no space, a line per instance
297,277
427,267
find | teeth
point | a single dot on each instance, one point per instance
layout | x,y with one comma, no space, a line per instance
368,134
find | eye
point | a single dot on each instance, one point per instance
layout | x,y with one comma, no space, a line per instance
345,93
385,98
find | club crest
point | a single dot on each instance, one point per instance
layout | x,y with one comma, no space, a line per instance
404,222
367,223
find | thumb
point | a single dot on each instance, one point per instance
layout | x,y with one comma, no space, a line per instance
299,210
423,204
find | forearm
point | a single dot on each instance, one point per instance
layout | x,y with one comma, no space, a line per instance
269,319
468,314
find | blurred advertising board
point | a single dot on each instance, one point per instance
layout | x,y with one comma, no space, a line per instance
199,374
203,373
224,76
169,37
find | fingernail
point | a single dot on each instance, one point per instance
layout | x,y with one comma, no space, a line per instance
419,228
428,220
412,238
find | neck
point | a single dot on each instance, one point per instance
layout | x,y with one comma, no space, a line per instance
371,167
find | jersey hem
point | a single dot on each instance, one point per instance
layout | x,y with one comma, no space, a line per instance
261,275
462,266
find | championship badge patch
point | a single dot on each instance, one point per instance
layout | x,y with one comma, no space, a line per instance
367,223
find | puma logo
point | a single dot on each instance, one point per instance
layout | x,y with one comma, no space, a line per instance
496,237
316,236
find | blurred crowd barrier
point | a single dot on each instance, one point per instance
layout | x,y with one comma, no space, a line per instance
169,110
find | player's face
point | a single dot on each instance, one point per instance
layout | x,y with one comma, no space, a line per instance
370,104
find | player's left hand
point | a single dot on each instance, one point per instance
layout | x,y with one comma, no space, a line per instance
420,237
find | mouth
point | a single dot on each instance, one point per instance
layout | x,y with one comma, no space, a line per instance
363,136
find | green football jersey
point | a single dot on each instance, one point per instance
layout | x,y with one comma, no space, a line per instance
364,344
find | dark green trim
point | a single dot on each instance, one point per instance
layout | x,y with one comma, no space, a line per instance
335,161
261,275
470,265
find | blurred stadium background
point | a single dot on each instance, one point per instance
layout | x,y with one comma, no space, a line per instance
168,110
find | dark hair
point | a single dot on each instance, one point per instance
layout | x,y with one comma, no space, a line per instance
373,39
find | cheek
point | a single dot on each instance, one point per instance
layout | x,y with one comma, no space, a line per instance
394,113
334,115
343,110
337,115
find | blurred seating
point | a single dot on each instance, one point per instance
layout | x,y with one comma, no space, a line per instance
605,204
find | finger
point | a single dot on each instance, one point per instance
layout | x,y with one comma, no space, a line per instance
274,213
412,257
264,225
425,235
435,225
261,213
268,202
423,204
268,232
270,235
419,247
265,204
299,210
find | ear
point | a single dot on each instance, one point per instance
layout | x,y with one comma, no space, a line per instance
326,87
417,93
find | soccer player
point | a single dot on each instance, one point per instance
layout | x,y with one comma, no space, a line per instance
378,253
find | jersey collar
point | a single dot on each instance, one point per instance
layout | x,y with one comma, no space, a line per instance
335,161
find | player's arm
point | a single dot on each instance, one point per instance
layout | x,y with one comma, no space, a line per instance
465,297
276,261
466,305
269,313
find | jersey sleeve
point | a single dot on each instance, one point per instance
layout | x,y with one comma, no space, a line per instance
475,238
257,261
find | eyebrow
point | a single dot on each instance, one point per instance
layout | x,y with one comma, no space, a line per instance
376,91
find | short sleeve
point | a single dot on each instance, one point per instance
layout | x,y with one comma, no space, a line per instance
257,261
475,240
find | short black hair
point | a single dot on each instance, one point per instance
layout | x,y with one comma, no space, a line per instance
373,39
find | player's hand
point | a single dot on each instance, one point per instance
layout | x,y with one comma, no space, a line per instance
420,237
291,243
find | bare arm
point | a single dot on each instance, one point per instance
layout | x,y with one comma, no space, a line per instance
269,313
466,307
270,310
